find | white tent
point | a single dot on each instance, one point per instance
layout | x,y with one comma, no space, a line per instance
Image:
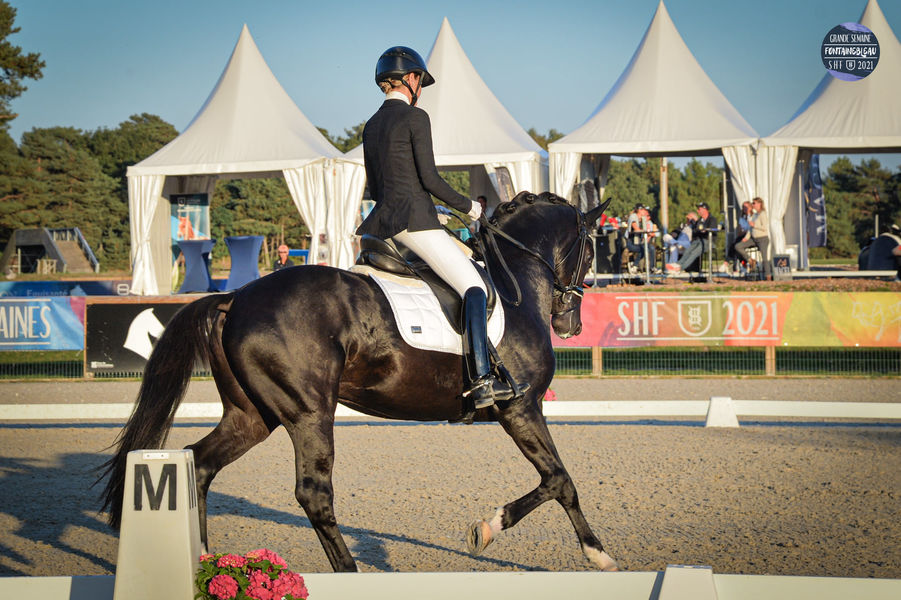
248,127
663,104
471,128
838,117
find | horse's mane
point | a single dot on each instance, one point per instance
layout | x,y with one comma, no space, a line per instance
508,212
524,199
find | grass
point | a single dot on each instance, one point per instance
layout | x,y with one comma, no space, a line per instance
40,356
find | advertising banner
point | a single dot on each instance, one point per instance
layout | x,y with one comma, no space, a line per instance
120,336
802,319
27,289
49,323
190,216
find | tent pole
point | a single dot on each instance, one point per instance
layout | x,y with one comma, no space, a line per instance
664,194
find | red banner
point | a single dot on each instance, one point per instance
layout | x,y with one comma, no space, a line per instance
739,319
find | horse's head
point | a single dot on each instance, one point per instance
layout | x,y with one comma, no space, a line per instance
566,310
565,229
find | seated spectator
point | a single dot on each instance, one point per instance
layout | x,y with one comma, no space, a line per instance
699,242
885,252
640,233
675,247
282,261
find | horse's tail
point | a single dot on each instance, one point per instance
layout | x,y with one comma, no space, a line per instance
166,376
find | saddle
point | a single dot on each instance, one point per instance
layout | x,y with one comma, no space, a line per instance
395,258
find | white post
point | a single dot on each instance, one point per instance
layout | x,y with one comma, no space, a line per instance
159,541
721,413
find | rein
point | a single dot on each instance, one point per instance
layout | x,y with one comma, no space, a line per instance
564,292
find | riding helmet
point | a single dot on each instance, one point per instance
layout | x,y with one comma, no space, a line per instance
396,62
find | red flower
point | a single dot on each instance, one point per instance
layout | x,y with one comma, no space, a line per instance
231,560
223,587
263,554
289,583
258,586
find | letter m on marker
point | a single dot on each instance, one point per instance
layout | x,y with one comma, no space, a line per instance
155,495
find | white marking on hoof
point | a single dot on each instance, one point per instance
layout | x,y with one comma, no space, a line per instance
600,559
497,521
478,537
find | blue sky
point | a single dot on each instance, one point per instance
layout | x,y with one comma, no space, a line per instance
549,63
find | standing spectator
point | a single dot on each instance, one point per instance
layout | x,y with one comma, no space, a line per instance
758,237
282,261
699,240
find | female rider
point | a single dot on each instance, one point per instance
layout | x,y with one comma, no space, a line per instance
400,169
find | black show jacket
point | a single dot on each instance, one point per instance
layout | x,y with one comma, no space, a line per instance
400,169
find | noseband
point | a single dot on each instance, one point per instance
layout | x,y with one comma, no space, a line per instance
563,292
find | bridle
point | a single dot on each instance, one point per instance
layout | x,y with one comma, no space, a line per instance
564,293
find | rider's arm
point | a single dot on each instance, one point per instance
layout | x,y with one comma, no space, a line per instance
421,134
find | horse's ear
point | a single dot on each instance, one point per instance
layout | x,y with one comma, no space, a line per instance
595,213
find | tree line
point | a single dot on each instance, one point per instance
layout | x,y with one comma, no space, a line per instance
66,177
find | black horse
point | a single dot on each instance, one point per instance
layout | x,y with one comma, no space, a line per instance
287,348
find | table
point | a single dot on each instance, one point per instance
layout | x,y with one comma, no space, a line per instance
197,266
245,258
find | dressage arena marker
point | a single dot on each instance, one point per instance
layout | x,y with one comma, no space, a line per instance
159,540
721,413
882,411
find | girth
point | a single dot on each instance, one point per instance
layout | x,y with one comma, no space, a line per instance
390,256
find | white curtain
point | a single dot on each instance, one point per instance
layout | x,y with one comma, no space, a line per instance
307,187
565,167
775,175
144,193
344,186
525,175
742,162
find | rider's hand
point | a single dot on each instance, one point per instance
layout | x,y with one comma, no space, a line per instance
475,212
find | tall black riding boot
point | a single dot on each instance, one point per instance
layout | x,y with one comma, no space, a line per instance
481,385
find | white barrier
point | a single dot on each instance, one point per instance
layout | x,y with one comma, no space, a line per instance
588,408
676,583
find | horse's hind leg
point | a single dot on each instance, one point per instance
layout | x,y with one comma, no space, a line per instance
529,430
241,428
236,433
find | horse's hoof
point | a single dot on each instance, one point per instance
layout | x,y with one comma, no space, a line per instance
601,559
478,537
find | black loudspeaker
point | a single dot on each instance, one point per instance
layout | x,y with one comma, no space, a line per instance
606,252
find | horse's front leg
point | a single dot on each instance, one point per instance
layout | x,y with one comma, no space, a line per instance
314,451
525,424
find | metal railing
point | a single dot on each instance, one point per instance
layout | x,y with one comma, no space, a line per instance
762,361
619,362
74,234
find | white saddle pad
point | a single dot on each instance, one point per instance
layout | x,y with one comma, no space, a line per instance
419,317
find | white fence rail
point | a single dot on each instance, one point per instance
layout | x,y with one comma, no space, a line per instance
711,410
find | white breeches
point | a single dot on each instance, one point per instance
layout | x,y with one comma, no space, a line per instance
441,253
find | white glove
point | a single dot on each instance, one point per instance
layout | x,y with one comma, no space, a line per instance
476,211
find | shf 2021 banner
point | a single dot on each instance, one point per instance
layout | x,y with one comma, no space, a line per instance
46,323
801,319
